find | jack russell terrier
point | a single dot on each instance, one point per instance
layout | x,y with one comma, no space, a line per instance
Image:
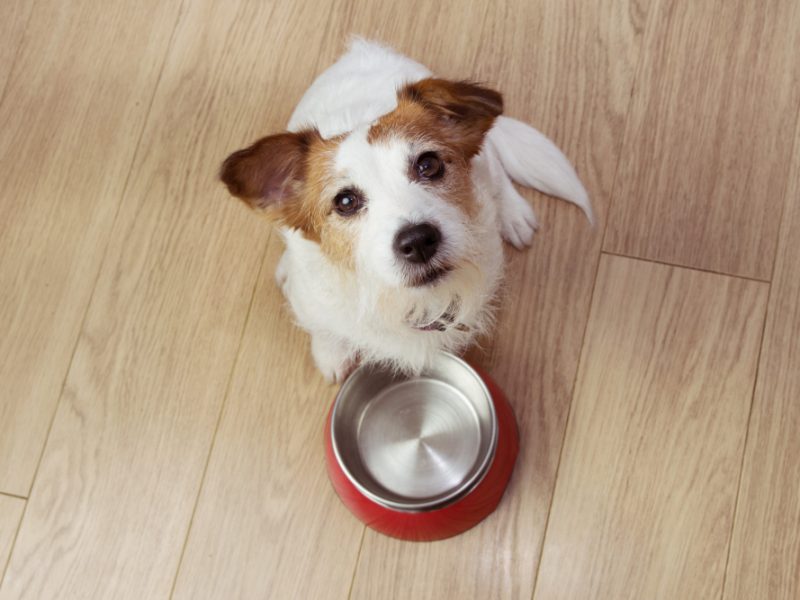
393,192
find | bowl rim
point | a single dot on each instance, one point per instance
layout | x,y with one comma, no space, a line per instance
464,488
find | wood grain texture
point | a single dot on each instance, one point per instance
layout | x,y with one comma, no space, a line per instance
14,15
646,489
10,513
268,523
71,118
703,170
765,548
534,352
111,505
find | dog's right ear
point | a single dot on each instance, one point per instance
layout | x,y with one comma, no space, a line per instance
466,110
271,172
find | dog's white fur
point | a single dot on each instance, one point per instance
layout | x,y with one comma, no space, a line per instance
368,313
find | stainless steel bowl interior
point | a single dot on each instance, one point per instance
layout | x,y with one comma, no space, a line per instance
414,443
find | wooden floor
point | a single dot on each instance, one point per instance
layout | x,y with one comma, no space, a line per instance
161,420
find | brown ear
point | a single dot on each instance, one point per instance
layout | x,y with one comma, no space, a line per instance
467,109
271,171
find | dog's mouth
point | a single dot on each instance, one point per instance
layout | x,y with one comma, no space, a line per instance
429,276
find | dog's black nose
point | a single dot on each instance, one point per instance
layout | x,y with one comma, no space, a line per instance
417,243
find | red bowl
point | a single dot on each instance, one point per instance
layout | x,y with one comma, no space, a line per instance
448,520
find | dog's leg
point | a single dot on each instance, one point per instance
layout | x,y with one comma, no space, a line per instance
334,360
517,219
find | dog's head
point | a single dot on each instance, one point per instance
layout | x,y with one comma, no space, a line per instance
393,200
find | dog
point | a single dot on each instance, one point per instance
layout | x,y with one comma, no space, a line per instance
392,190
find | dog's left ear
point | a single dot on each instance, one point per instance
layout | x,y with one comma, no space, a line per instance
466,109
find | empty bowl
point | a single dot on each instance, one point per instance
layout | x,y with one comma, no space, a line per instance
423,457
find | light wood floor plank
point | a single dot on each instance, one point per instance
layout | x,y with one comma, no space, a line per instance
765,549
10,514
702,175
73,112
268,522
14,15
534,352
645,494
112,501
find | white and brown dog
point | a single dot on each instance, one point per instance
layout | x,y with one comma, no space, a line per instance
393,190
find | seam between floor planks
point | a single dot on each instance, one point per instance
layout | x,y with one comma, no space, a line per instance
223,404
778,239
651,12
569,409
13,543
723,236
9,510
746,438
720,289
358,560
10,495
100,266
605,219
686,267
102,263
752,391
111,226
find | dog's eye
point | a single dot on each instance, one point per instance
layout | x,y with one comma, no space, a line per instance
347,202
429,166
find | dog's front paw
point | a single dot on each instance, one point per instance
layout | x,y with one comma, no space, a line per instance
518,221
333,359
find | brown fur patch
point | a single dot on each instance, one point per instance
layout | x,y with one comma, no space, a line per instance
458,112
409,120
289,178
337,244
335,234
271,176
447,117
266,173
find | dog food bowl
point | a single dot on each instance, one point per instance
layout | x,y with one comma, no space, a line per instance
421,458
